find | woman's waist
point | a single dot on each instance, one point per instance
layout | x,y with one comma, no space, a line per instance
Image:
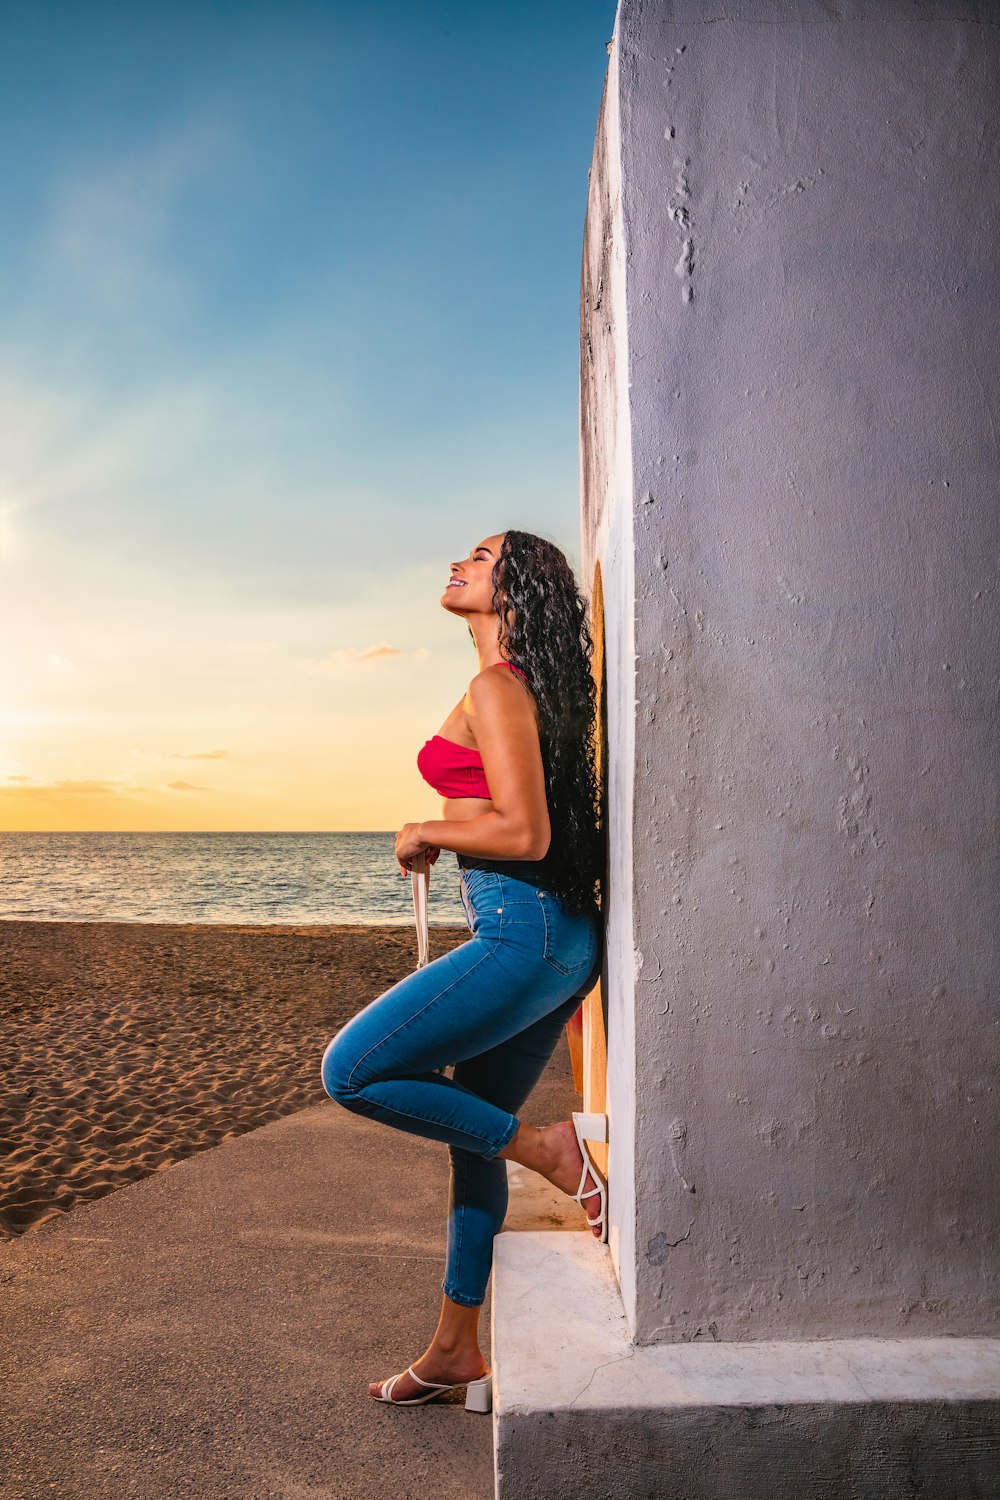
535,872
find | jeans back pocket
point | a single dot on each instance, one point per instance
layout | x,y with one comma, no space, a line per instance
570,944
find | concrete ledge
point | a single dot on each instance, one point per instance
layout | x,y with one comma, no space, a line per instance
578,1409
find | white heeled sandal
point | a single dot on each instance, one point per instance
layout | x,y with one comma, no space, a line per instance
592,1128
478,1393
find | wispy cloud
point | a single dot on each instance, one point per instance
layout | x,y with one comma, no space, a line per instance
187,786
51,790
111,220
370,653
346,660
197,471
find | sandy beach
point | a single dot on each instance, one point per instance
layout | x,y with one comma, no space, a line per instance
125,1047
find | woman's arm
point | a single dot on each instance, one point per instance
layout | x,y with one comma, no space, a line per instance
517,826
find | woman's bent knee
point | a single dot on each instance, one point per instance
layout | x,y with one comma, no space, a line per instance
335,1071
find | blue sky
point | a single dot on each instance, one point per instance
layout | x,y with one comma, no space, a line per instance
288,320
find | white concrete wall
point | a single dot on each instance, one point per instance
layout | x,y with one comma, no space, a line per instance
607,545
802,374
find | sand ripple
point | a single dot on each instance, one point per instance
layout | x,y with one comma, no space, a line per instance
125,1047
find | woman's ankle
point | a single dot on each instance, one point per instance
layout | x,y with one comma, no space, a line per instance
444,1344
529,1147
455,1356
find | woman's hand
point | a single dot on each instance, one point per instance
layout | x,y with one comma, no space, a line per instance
409,843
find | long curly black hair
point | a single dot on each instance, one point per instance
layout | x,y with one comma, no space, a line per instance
543,629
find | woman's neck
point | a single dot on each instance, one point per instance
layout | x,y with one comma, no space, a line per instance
489,650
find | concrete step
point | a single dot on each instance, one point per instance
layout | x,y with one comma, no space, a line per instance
580,1410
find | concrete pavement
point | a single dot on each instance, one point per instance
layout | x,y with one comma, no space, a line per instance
210,1331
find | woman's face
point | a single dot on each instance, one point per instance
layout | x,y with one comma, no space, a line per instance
470,588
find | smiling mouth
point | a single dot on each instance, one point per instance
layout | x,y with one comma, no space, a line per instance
457,583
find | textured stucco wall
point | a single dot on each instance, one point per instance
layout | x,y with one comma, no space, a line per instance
808,224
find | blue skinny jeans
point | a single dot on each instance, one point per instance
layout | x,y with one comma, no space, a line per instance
493,1008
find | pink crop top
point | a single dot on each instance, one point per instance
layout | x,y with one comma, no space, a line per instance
453,769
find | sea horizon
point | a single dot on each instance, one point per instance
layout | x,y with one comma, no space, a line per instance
285,877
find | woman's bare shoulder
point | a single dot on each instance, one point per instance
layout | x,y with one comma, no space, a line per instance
491,692
490,681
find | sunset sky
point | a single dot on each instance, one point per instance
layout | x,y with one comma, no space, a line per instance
288,322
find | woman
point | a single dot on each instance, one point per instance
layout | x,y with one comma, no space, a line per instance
515,765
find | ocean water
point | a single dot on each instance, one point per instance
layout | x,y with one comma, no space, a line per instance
217,877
